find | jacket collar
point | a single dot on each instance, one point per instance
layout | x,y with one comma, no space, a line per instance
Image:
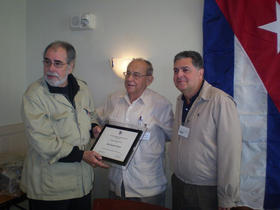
73,90
204,94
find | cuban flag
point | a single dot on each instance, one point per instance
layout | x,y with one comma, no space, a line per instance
241,41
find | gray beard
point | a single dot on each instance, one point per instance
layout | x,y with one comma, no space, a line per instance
56,83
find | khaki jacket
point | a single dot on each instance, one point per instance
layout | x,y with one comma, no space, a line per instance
53,127
211,153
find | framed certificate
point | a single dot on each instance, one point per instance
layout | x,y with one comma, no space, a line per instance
116,143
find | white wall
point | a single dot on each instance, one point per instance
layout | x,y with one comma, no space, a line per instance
154,29
12,59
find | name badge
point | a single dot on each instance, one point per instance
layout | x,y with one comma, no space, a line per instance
146,136
183,131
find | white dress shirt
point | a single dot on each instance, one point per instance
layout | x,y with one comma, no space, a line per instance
144,176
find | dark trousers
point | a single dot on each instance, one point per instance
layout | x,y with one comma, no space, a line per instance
155,200
193,197
83,203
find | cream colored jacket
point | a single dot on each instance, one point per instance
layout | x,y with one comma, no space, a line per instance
211,153
53,127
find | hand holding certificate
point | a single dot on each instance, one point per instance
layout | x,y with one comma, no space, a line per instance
94,159
116,143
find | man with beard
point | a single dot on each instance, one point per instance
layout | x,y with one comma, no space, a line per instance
59,119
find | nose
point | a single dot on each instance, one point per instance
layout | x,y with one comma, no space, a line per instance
129,77
52,67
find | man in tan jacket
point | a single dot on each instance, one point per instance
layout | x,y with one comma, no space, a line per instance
58,114
205,150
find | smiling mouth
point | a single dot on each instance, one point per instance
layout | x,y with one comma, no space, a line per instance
181,81
130,85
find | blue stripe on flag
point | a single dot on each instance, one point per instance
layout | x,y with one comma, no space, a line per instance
218,48
272,189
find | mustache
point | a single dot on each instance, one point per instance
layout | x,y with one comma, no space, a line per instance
53,74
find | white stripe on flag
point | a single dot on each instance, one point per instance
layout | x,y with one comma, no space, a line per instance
251,98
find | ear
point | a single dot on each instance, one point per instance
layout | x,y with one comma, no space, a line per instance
71,67
149,80
201,72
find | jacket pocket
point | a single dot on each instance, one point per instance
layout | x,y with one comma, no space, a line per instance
59,177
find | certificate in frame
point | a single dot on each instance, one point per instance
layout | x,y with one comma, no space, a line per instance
116,143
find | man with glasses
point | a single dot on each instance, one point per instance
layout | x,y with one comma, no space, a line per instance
59,118
144,178
205,150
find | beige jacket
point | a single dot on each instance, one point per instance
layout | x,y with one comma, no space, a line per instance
211,153
53,127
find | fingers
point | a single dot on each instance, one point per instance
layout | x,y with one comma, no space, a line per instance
94,159
96,155
98,160
96,130
102,164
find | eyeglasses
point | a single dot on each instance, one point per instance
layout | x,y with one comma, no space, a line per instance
135,75
56,63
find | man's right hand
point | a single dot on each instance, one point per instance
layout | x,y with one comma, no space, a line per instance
94,159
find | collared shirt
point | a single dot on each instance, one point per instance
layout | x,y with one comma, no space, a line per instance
211,152
144,176
187,107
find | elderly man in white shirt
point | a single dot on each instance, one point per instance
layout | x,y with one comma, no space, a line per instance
144,178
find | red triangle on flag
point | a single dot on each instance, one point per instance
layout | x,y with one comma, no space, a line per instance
247,19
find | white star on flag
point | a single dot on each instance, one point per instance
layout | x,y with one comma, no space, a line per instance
274,26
